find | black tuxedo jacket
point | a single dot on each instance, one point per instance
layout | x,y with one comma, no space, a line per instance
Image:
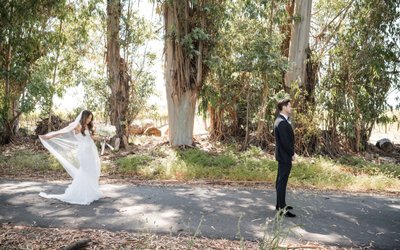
284,140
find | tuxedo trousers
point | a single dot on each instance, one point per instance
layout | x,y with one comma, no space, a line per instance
281,183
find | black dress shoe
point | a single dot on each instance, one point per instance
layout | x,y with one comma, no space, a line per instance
287,214
287,208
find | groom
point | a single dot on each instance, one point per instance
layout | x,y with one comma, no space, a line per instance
284,154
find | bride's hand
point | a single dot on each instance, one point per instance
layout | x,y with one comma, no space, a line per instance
96,138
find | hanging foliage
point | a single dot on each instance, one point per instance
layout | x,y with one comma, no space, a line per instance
191,30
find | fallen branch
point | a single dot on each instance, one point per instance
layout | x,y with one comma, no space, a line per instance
302,247
77,245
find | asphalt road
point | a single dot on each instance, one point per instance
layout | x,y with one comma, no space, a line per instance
331,218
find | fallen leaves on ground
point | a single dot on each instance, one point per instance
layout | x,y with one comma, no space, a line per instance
26,237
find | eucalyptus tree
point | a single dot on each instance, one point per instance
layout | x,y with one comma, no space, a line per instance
301,77
191,29
299,43
119,78
26,35
62,67
246,71
361,68
120,92
136,34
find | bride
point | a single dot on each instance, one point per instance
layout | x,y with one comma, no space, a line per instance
74,148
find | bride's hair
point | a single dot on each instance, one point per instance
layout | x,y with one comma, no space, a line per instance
85,115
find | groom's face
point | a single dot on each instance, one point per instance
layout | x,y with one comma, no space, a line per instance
287,109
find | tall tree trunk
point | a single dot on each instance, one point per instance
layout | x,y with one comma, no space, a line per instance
183,72
181,100
299,43
216,129
117,73
246,138
312,69
261,126
264,98
10,112
181,114
49,124
7,113
286,30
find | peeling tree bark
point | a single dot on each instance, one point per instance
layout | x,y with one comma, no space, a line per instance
181,98
184,72
118,74
299,43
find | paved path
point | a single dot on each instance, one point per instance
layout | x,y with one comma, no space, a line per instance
337,219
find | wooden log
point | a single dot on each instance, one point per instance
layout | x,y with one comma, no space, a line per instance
135,130
42,126
385,145
147,125
153,131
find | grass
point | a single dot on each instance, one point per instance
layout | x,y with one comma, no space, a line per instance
131,164
347,173
195,164
275,232
227,163
360,166
25,159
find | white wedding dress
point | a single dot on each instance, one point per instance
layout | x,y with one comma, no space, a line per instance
79,156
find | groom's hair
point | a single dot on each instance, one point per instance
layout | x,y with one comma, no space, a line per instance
282,103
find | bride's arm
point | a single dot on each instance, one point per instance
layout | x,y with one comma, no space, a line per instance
96,137
78,129
47,137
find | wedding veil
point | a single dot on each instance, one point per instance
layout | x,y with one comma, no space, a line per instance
63,145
